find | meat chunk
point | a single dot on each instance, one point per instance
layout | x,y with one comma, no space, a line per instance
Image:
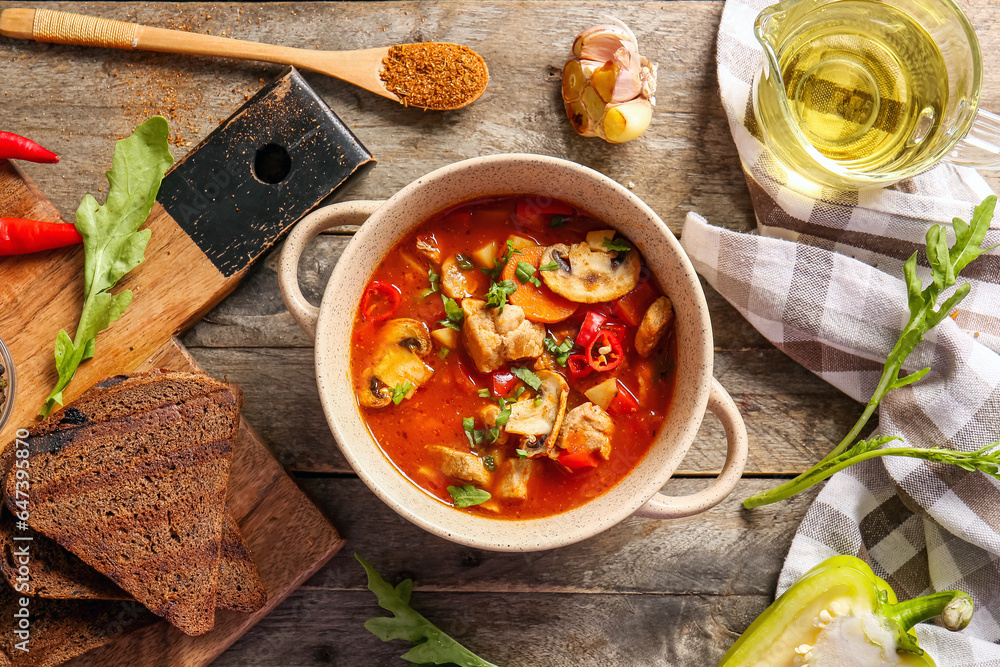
482,340
654,323
493,338
587,427
522,337
514,484
463,466
428,247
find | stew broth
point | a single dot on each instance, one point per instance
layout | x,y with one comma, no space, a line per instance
424,428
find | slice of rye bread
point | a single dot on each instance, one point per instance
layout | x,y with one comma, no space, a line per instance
60,630
131,478
56,574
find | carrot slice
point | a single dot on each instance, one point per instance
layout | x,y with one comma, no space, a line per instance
540,304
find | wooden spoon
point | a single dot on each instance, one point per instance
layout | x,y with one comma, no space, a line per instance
361,67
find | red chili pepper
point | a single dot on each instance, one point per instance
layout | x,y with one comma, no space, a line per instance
18,237
624,401
578,366
608,360
592,322
378,291
503,382
577,460
16,147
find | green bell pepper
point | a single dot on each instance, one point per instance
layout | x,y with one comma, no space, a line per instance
839,614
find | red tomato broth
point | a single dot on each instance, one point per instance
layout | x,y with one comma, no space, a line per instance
434,413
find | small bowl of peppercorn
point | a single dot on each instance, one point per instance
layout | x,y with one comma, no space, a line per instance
7,384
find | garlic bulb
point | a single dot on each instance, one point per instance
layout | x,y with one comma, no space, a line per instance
607,86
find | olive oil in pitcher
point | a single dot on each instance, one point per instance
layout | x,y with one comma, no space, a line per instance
865,83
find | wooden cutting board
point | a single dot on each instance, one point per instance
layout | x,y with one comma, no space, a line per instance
214,217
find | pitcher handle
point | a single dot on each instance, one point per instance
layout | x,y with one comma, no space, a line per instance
981,146
662,506
336,215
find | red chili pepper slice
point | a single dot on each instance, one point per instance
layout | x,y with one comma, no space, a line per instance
624,401
578,366
592,322
16,147
18,237
380,301
503,382
605,352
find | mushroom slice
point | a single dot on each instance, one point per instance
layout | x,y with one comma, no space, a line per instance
459,284
402,342
588,276
539,418
654,323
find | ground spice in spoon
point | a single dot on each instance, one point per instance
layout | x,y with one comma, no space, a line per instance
434,75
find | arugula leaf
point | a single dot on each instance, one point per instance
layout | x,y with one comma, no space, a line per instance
464,262
400,391
433,646
616,245
945,265
468,495
551,266
112,243
497,295
526,274
454,314
527,377
561,350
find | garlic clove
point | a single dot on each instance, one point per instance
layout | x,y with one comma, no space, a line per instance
580,119
576,75
593,103
626,120
600,42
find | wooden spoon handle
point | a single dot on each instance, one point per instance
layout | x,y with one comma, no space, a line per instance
45,25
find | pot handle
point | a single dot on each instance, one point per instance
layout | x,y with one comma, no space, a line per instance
722,406
348,213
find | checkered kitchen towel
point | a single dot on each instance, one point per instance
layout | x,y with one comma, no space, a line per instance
822,280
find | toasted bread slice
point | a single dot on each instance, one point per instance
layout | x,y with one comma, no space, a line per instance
56,574
240,588
131,478
63,629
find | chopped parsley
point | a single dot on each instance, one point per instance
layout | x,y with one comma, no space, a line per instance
490,463
500,262
443,352
526,274
558,221
454,314
400,391
527,377
497,295
433,279
616,245
484,393
551,266
464,262
468,495
561,350
538,401
521,453
474,435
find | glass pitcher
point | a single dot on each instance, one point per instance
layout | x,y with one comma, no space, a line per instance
864,93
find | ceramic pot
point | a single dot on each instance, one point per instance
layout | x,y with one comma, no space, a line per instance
386,223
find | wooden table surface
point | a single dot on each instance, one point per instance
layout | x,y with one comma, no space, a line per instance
643,593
